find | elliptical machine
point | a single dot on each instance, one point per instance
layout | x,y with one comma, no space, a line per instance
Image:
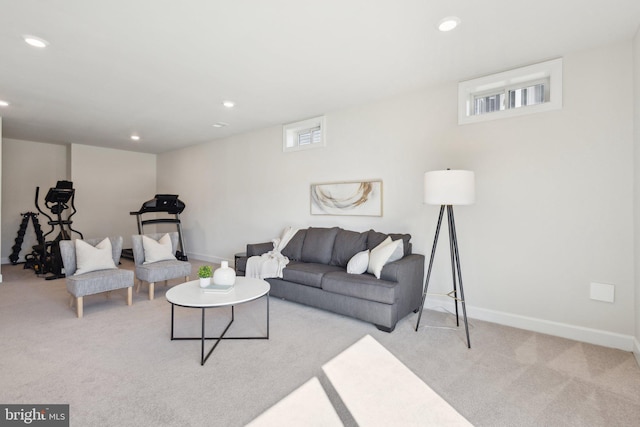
46,257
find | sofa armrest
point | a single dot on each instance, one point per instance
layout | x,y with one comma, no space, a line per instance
403,269
408,273
258,248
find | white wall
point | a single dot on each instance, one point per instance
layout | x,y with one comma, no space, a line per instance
555,204
0,188
554,194
636,75
245,189
109,184
27,165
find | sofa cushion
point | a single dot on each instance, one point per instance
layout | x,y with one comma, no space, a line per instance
293,250
307,273
160,270
347,244
318,245
375,238
99,281
363,286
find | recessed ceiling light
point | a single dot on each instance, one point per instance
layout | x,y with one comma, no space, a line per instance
36,41
135,137
448,23
3,103
229,104
220,124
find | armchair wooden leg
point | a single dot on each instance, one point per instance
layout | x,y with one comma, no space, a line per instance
129,295
71,299
151,286
138,287
186,278
79,307
108,294
166,283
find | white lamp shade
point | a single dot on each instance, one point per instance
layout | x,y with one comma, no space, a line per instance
449,187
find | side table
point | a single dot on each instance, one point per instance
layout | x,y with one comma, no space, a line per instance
240,262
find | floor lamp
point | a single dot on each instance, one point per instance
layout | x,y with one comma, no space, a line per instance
448,188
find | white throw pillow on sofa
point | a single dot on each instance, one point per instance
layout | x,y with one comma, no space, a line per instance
91,258
359,263
386,252
155,251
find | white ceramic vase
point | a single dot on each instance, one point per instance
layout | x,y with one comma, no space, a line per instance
224,275
205,281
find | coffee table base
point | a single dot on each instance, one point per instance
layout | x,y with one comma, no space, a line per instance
203,338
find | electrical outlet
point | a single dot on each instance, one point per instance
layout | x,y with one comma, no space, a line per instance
602,292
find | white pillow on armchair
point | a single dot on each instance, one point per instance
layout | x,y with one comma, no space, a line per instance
160,250
92,258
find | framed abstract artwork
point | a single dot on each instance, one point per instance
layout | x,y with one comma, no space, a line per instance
347,198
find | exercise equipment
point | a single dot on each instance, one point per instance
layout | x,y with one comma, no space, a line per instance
45,257
161,203
33,216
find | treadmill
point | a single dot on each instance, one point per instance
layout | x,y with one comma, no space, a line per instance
161,203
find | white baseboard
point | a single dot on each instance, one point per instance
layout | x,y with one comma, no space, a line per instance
636,350
564,330
208,258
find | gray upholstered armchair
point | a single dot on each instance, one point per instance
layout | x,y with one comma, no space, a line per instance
156,271
97,281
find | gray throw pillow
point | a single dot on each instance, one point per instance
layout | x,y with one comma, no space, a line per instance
347,244
318,245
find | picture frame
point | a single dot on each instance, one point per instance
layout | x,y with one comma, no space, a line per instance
355,198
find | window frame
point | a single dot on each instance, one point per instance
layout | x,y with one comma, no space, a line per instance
509,80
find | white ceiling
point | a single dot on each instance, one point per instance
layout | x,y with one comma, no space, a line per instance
161,68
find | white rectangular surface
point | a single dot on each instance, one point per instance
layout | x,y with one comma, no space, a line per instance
379,390
602,292
306,406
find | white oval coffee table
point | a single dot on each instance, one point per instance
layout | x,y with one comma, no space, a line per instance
190,295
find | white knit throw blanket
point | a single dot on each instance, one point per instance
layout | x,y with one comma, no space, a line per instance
272,263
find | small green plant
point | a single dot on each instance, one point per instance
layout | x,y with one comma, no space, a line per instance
205,271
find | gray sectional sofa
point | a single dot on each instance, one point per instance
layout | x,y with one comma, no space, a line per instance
316,275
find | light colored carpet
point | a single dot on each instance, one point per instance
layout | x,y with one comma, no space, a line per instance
307,406
379,390
117,366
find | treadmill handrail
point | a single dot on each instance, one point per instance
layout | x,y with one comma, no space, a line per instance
161,220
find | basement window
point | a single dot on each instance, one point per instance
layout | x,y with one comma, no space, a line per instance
525,90
303,135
